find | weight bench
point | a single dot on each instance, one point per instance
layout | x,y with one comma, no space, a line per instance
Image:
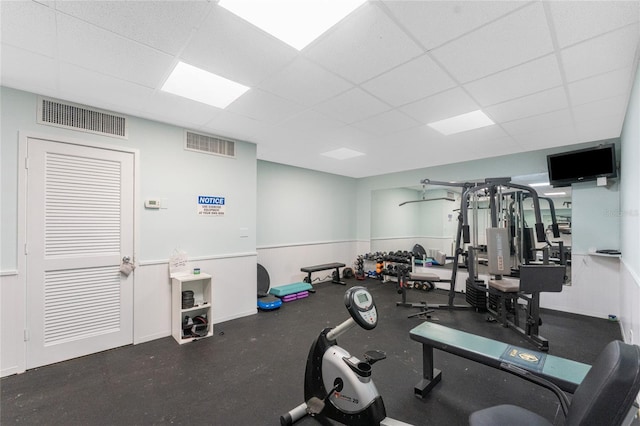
404,276
564,373
324,267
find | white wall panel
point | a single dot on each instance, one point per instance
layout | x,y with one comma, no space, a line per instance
152,302
595,289
283,263
234,293
629,296
12,345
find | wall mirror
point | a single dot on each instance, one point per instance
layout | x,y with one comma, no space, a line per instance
428,215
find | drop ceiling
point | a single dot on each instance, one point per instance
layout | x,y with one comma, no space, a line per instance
549,74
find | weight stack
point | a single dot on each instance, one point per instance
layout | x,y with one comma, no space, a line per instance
475,297
187,299
494,302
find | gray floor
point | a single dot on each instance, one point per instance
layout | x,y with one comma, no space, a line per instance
251,371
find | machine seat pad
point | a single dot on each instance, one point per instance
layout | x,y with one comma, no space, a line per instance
423,276
506,285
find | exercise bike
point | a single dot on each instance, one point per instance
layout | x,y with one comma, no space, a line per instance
338,385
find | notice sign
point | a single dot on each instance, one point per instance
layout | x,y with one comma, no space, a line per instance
210,206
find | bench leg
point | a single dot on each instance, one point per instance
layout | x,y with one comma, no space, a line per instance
336,279
430,376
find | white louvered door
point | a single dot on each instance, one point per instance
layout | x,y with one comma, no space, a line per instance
79,227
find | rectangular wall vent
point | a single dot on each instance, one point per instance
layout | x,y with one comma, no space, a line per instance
78,117
209,144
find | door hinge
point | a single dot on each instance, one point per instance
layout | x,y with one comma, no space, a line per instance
26,335
26,249
26,163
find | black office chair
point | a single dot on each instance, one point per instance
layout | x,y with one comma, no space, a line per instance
604,397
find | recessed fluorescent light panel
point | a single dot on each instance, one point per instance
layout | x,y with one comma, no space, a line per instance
535,185
555,193
342,154
462,123
296,22
202,86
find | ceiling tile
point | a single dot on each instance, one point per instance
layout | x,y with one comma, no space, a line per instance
600,128
347,136
509,41
615,106
29,25
264,106
99,90
496,147
481,142
364,45
386,123
228,46
25,70
231,125
549,120
575,21
526,106
165,25
308,123
409,82
90,47
189,112
352,106
532,77
601,54
436,22
602,86
305,83
478,136
547,138
440,106
418,136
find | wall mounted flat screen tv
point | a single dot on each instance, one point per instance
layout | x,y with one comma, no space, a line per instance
582,165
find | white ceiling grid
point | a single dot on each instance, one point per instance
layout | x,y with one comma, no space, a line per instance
548,73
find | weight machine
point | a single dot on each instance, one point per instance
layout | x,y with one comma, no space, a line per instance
506,292
509,240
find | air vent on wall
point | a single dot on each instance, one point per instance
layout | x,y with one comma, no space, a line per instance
209,144
78,117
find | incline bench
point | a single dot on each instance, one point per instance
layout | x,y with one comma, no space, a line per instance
326,266
564,373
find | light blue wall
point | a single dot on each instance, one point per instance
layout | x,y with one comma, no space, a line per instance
630,183
389,220
424,219
437,218
166,171
300,206
169,172
595,221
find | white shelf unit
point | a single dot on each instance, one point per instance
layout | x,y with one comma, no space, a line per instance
200,284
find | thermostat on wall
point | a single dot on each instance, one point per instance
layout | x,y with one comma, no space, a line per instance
152,204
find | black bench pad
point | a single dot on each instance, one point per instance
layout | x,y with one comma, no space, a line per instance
324,267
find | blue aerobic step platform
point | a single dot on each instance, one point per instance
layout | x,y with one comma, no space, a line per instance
287,289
